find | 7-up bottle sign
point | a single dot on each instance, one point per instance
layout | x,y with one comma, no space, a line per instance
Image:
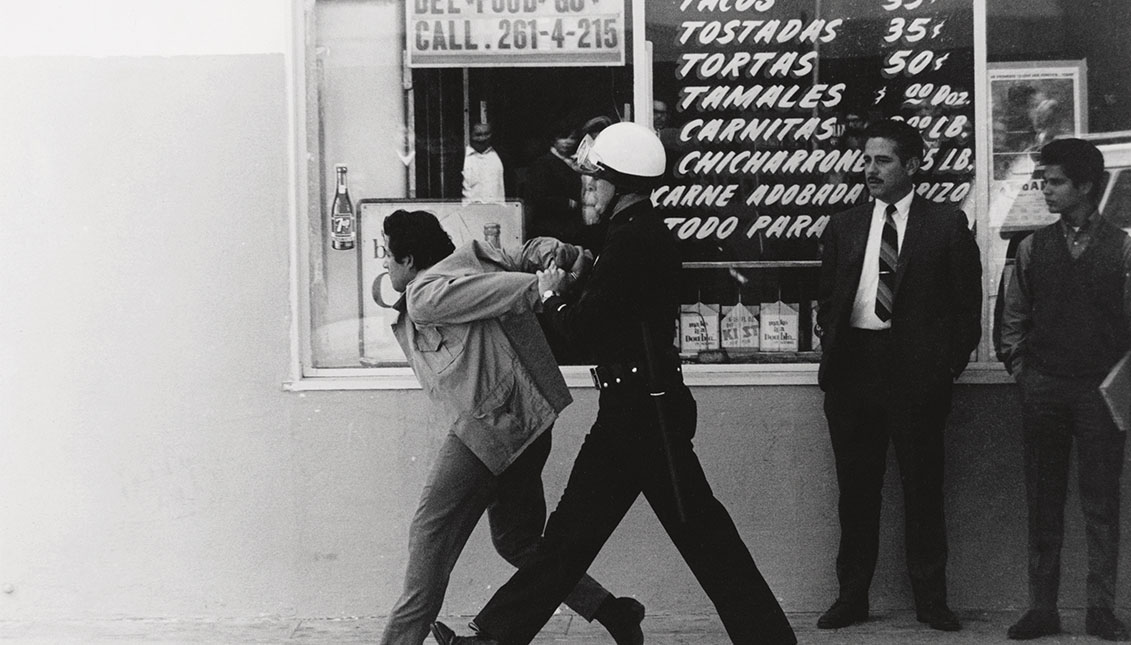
341,214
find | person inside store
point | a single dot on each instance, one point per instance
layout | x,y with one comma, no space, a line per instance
855,124
660,115
665,128
900,303
641,442
483,171
553,187
553,199
662,124
1065,324
466,323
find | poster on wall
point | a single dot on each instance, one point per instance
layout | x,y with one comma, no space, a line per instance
515,33
1030,105
499,224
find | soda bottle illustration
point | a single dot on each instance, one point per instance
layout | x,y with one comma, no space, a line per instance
342,220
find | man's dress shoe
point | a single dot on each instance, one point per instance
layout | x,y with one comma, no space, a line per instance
843,614
1103,623
445,636
622,617
939,617
1035,624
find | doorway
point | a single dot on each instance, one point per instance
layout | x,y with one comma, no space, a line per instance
524,106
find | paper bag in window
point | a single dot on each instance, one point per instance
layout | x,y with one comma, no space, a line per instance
779,323
739,327
698,327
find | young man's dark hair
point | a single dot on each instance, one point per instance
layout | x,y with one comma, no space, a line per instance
1081,162
908,141
419,234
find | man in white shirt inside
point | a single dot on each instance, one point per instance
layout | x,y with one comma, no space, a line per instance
482,168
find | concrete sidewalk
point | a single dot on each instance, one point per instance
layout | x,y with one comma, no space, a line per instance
885,628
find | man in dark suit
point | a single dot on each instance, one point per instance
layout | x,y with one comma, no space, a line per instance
900,313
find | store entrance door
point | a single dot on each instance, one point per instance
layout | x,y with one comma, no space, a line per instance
524,107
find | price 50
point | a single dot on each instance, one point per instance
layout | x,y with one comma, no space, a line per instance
910,62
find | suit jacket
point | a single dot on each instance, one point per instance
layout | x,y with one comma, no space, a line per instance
937,302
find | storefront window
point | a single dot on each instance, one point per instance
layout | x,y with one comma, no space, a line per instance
760,105
398,93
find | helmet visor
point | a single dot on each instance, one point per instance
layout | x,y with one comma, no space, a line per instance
583,160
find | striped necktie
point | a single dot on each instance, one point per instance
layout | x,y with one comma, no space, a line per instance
889,258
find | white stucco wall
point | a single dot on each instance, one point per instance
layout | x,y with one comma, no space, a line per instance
146,465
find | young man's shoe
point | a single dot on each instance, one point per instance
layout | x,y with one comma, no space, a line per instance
1035,624
1103,623
939,616
445,636
842,614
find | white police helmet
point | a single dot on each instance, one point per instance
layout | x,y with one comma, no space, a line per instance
626,154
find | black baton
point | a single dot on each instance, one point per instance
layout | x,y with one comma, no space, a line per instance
656,393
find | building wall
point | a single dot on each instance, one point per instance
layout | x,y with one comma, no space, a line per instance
153,465
147,462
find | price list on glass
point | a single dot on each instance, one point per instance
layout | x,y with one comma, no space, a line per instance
770,104
490,33
929,73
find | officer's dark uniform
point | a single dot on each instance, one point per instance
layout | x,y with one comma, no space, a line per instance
634,279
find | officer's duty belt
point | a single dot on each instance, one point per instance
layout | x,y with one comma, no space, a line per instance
633,375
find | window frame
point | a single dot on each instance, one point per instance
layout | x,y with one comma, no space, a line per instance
304,206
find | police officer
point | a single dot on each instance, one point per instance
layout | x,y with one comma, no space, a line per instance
630,303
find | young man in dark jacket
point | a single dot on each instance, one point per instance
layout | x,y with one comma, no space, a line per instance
1066,323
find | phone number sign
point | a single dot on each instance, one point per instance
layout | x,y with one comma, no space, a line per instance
497,33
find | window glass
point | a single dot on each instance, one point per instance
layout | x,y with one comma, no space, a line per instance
471,112
759,104
1056,69
762,111
1117,202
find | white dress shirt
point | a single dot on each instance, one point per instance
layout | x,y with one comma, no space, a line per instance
864,306
482,176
